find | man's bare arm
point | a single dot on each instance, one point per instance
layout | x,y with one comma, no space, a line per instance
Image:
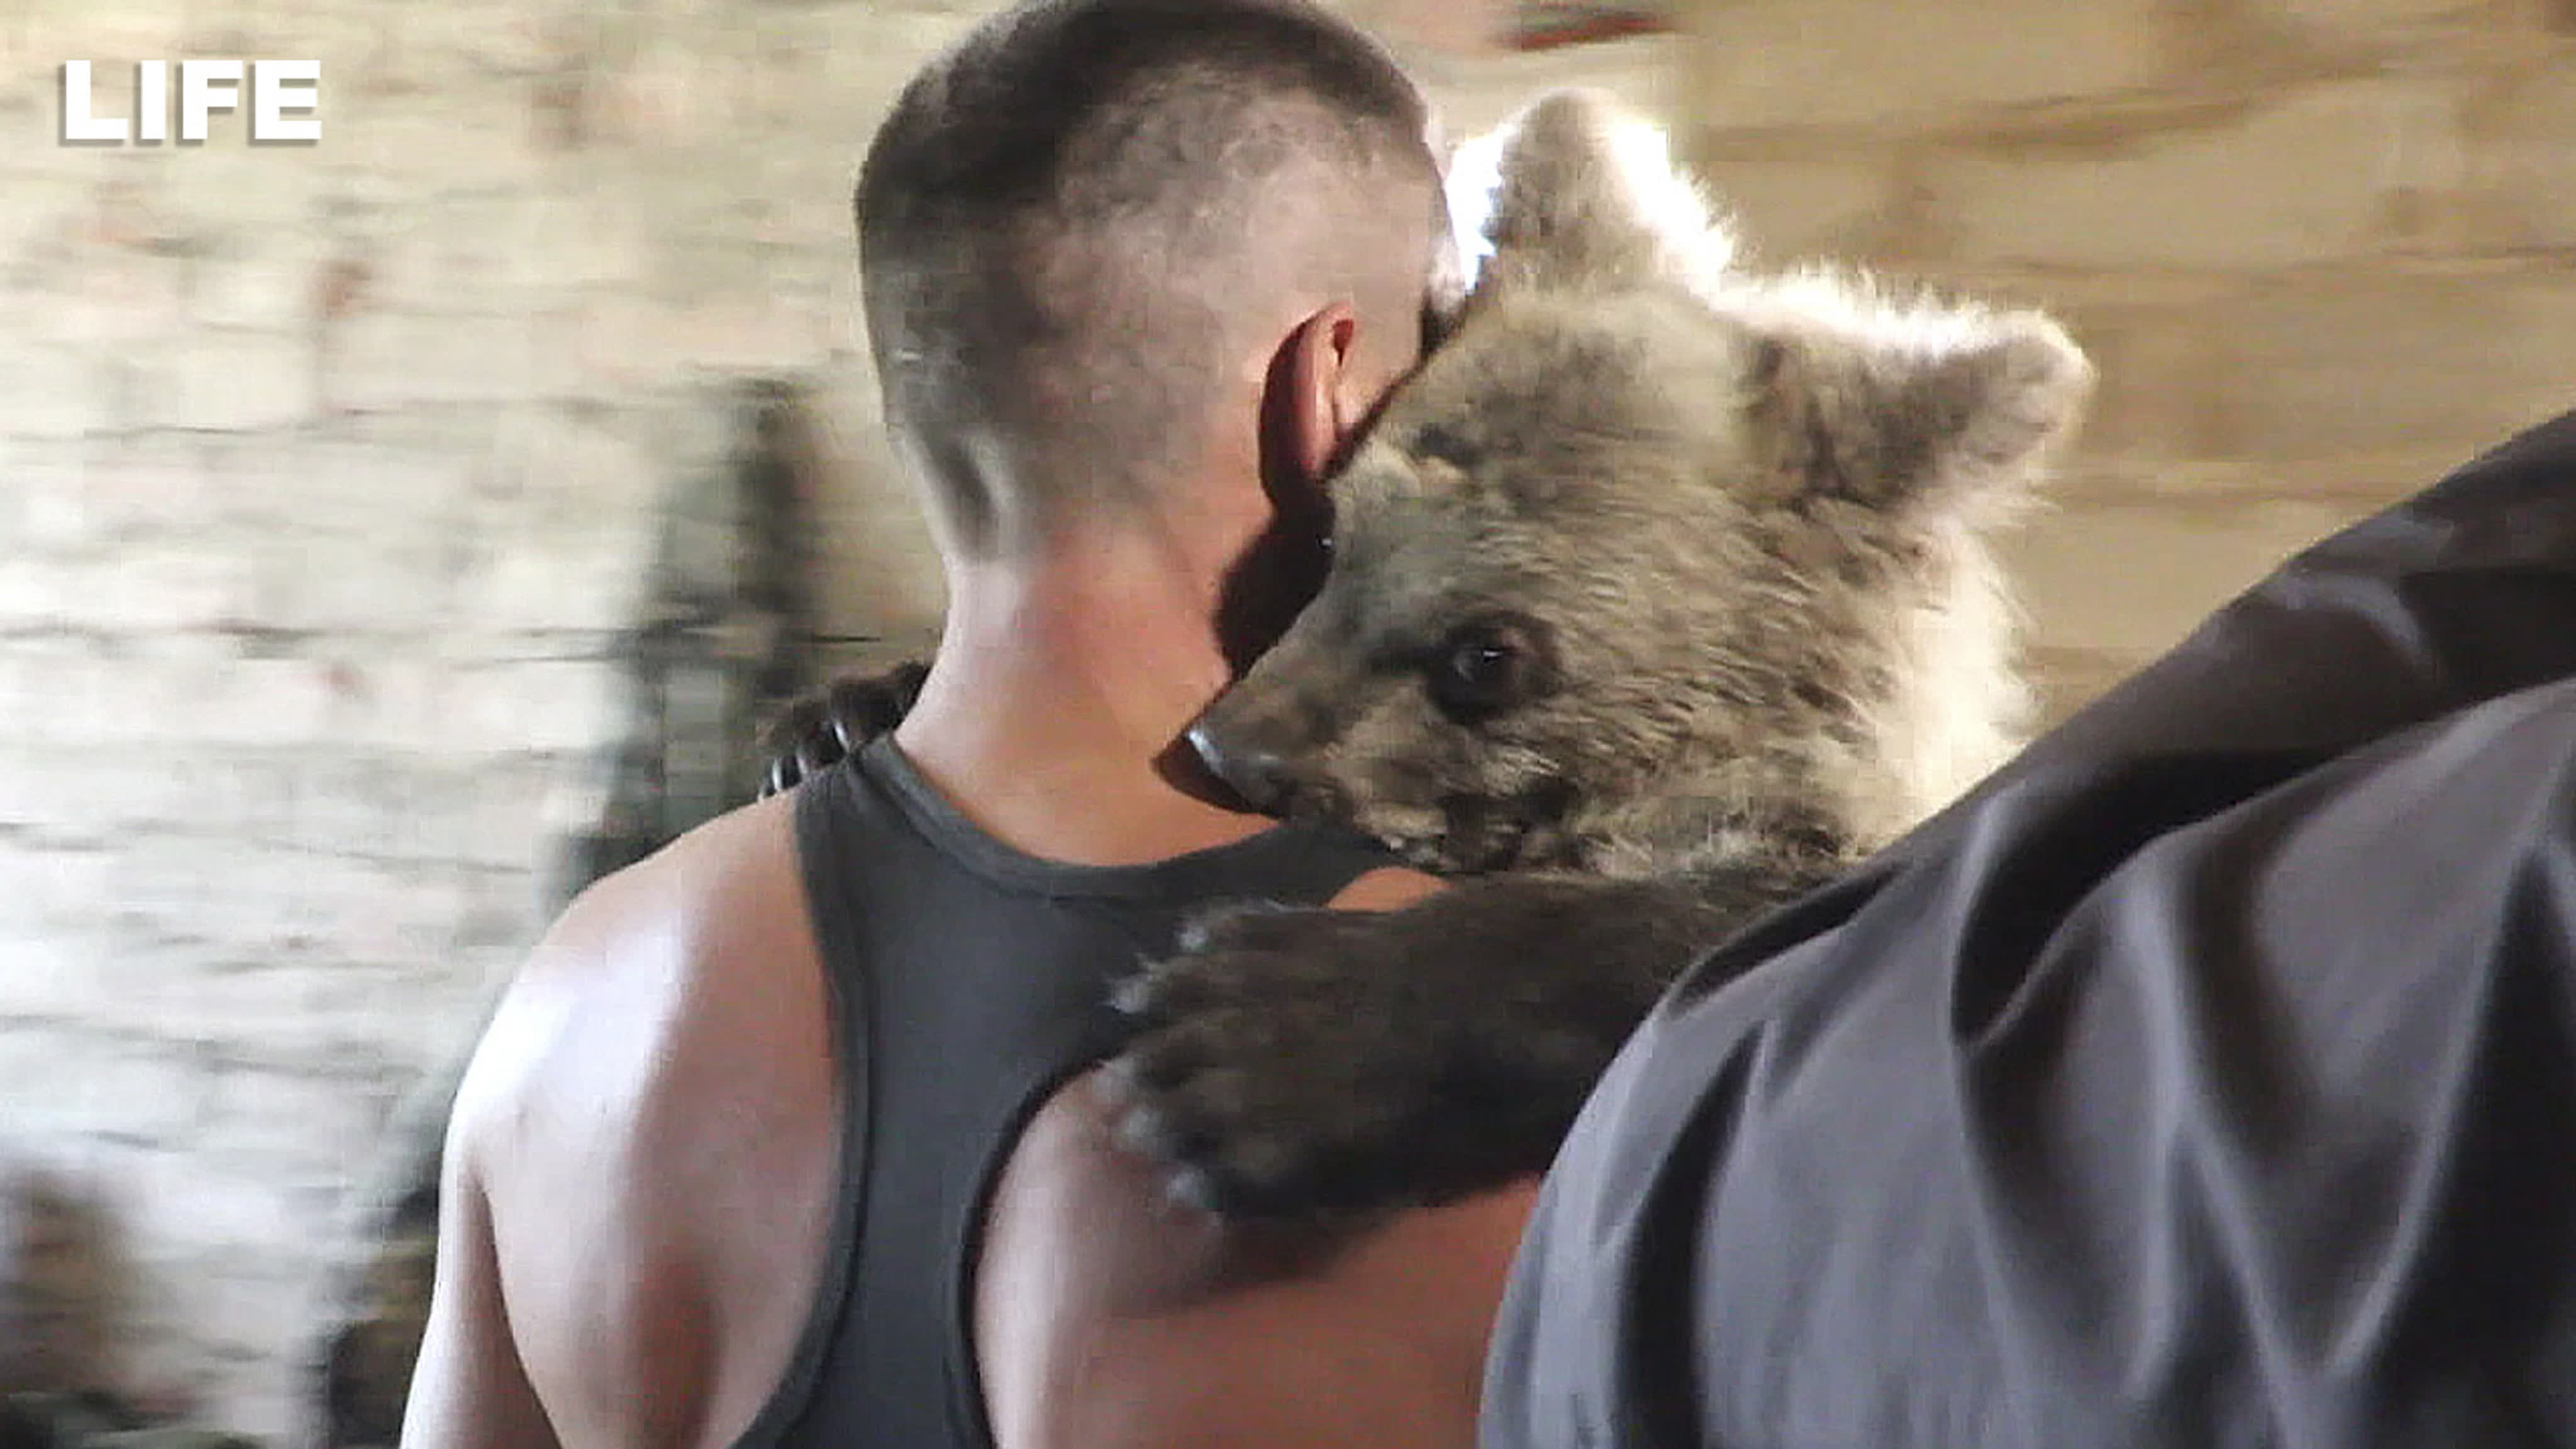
580,1272
469,1388
641,1152
567,1309
573,1301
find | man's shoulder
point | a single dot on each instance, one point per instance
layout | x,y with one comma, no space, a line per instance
652,975
749,849
1105,1311
628,930
1387,888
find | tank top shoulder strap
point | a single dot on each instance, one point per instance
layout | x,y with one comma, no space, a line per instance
1298,863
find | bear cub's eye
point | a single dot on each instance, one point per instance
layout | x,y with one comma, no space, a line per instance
1485,667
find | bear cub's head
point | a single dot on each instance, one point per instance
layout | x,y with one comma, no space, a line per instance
1657,562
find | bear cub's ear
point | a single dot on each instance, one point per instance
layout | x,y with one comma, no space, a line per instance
1578,192
1946,406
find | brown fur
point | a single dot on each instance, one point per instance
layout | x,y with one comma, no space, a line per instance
1659,595
1738,521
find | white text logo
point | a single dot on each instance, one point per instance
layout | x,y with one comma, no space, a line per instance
284,96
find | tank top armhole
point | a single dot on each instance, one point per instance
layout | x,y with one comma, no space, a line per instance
818,847
1312,865
965,1245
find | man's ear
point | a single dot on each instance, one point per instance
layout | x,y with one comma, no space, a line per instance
1313,407
1306,420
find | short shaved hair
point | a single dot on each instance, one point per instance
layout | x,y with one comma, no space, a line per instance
1073,219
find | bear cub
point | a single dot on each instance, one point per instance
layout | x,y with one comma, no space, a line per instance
1660,595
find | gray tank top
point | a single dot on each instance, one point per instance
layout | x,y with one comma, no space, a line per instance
970,981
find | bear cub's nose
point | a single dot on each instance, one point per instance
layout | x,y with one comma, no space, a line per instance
1258,774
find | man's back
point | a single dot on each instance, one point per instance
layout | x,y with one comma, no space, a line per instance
970,980
664,1230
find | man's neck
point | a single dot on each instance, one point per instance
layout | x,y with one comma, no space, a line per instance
1054,714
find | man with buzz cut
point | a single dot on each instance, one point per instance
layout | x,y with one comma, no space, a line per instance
787,1136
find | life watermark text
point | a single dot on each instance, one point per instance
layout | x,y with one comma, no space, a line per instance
285,102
